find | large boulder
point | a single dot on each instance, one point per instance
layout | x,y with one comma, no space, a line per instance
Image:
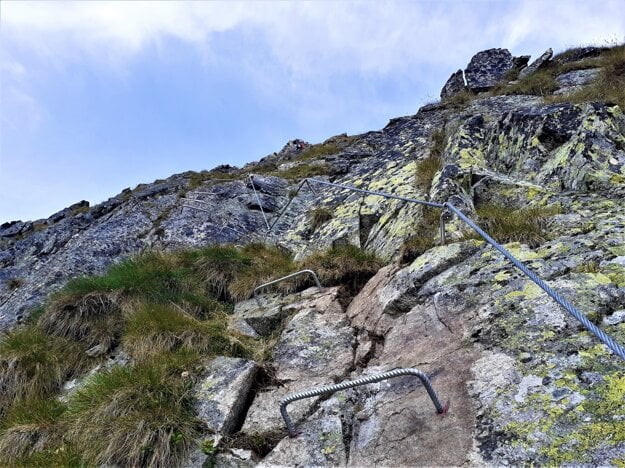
487,68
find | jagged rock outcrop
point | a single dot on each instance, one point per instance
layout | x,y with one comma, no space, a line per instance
487,68
454,85
536,64
525,382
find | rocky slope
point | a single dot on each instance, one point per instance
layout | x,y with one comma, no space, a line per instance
526,383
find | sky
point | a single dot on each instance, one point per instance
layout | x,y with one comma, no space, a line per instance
97,96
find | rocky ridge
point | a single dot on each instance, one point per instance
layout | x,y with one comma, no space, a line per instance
526,383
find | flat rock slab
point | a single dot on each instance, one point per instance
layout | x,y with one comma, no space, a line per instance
264,419
393,292
314,344
222,392
571,81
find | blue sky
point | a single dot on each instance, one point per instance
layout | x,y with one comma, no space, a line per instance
99,96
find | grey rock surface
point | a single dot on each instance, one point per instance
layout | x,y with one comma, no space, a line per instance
575,79
487,68
536,64
454,85
526,384
319,443
222,393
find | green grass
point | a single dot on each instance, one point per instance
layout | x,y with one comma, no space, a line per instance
232,273
153,277
30,426
346,265
92,318
156,328
34,365
319,151
539,83
318,216
525,225
609,86
302,171
141,415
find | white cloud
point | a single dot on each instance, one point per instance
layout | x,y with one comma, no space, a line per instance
307,38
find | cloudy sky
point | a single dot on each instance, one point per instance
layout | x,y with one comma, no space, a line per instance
98,96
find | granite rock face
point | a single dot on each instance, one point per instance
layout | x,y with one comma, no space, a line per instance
487,68
222,394
454,85
526,384
536,64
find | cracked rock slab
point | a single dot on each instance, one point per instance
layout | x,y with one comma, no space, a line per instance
319,442
222,392
314,344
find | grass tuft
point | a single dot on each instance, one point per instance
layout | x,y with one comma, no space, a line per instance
525,225
156,328
539,83
427,168
31,426
33,364
153,277
347,265
302,171
232,273
94,319
609,86
319,151
319,216
136,416
424,235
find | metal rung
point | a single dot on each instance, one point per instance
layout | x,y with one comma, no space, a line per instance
440,409
297,273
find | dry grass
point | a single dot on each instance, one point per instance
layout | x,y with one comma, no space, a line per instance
318,216
30,426
424,235
609,86
539,83
141,415
319,151
302,171
345,265
525,225
93,318
459,100
34,365
232,273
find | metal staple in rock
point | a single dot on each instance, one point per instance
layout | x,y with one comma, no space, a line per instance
297,273
354,383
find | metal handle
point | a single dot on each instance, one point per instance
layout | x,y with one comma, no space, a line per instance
354,383
297,273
